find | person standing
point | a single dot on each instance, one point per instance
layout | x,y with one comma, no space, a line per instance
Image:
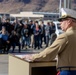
37,36
14,41
4,36
25,37
64,46
43,37
47,33
53,35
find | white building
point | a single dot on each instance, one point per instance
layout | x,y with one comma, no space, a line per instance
27,15
48,15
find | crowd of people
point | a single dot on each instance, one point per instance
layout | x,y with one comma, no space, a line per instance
25,34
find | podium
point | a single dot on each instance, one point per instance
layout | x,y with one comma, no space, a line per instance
18,66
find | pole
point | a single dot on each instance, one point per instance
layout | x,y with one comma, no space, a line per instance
60,6
67,4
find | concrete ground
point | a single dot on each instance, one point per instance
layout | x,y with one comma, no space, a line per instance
4,64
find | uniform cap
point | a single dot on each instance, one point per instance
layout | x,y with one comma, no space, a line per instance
67,13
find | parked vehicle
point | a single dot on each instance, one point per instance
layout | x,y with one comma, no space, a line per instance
58,28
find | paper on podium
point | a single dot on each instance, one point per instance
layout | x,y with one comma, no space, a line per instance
21,56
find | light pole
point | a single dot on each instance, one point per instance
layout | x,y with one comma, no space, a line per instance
60,6
67,4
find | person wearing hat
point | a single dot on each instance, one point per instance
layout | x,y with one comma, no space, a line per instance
64,46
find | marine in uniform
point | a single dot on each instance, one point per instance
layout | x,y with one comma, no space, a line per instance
64,46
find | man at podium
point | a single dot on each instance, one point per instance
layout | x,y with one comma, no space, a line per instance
64,46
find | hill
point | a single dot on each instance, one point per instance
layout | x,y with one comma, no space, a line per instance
15,6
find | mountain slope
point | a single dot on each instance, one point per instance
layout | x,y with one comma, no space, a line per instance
15,6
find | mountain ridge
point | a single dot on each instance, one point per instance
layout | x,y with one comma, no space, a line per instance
16,6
